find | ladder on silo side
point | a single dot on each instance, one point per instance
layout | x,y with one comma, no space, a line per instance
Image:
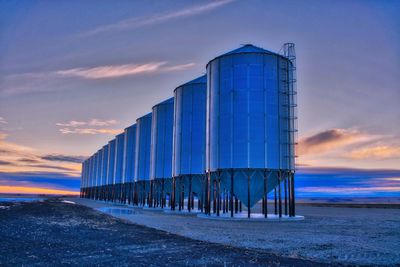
288,101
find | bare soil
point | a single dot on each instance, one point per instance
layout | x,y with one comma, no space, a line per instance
54,233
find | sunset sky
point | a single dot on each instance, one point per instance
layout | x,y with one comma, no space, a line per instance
73,74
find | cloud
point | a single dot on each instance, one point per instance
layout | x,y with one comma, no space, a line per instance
72,123
89,131
376,152
339,181
75,127
17,158
35,190
24,83
322,170
92,122
348,191
111,71
332,139
64,158
138,22
3,121
34,182
61,168
9,147
29,160
3,162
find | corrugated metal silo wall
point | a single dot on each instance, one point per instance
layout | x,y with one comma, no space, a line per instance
244,130
99,167
129,154
104,165
94,182
111,162
161,140
119,154
142,151
189,128
91,166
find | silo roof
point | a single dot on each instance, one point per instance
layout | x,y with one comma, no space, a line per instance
201,79
145,116
168,101
247,48
130,126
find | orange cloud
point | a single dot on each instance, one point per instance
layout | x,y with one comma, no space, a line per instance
376,152
345,190
90,131
34,190
330,140
17,158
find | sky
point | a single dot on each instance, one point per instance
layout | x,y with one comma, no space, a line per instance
73,74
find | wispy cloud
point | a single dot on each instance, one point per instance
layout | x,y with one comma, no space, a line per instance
10,189
331,139
3,162
376,152
138,22
92,122
76,127
112,71
17,158
89,131
3,121
26,83
64,158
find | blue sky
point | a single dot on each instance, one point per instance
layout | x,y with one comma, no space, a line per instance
74,73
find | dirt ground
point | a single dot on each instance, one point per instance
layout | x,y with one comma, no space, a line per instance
54,233
359,236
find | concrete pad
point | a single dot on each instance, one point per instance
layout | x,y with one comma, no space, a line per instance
253,217
184,212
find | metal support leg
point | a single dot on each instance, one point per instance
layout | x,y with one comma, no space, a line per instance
218,196
275,203
248,196
286,204
190,194
293,196
265,195
231,194
214,197
280,196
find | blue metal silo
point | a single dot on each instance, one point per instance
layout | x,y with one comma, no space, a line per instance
189,142
104,163
161,152
249,144
110,170
142,159
119,155
94,178
129,162
99,161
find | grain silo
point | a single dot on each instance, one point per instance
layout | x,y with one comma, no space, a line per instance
161,153
142,159
83,176
189,143
104,172
119,155
128,170
99,170
250,127
94,176
89,177
110,170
